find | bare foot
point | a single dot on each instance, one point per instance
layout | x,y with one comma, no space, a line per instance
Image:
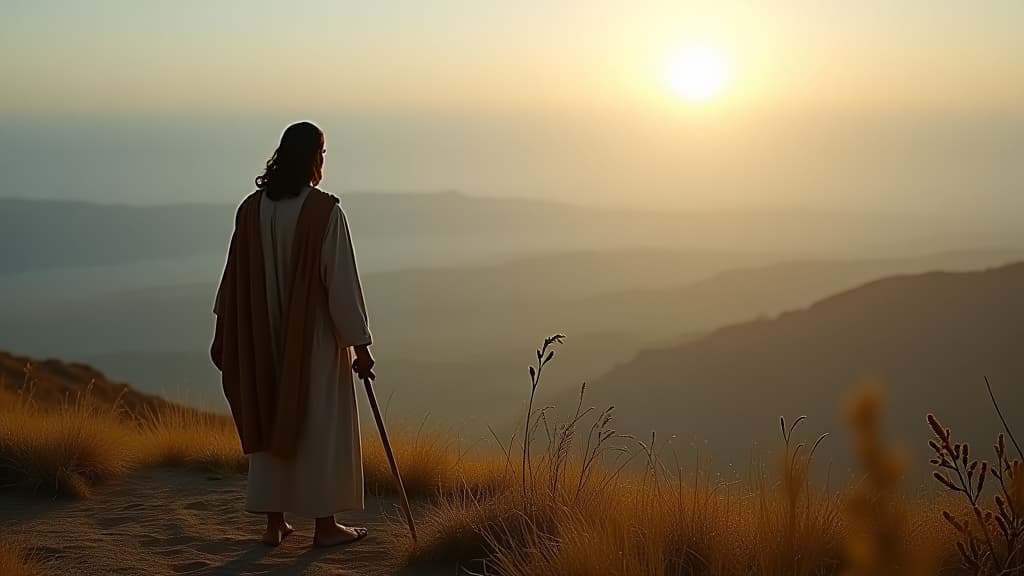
335,535
276,534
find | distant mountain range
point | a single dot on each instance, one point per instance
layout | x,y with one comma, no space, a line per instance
398,231
454,342
460,288
929,339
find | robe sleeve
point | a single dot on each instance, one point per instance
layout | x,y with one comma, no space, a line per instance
341,278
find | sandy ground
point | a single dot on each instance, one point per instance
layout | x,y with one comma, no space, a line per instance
169,521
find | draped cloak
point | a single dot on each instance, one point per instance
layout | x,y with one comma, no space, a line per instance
266,383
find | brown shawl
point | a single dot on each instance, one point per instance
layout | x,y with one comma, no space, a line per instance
269,405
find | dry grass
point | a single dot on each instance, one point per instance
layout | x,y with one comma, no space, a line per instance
572,510
990,533
427,461
453,532
68,449
62,451
652,523
585,499
183,437
880,541
14,561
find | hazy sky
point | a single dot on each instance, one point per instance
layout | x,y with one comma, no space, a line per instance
861,104
138,55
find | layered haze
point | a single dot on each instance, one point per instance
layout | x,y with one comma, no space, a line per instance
747,226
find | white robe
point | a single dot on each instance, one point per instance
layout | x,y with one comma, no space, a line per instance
326,474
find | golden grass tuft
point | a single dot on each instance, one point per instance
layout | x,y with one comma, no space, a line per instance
631,524
426,459
70,448
63,451
879,541
453,531
14,561
430,465
182,437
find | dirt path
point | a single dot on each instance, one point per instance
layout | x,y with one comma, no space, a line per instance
185,522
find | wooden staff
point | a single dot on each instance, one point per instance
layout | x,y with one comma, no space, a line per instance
391,455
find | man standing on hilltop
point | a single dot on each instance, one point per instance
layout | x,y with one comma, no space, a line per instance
291,329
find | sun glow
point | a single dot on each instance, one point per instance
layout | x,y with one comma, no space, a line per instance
698,73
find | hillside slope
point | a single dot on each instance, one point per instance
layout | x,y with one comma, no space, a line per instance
453,342
930,339
50,382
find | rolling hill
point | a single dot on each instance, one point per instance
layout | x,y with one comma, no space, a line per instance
929,339
51,382
454,342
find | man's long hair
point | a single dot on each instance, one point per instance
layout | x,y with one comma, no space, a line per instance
296,163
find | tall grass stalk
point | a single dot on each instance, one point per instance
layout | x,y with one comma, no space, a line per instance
991,534
544,355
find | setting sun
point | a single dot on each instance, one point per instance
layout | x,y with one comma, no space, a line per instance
697,73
